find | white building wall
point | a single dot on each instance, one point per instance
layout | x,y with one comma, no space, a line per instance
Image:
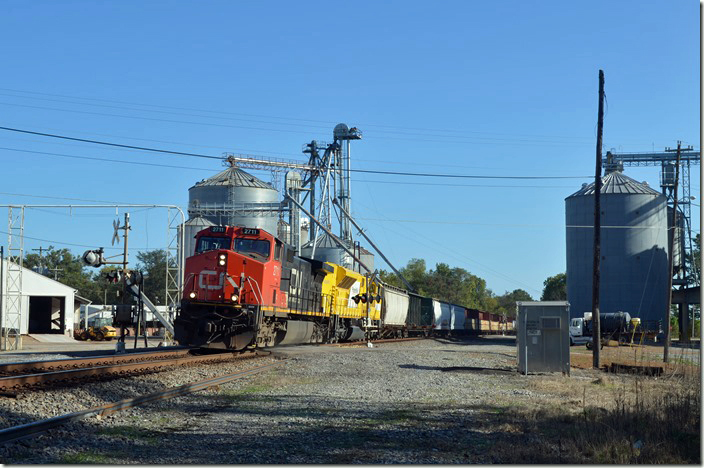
34,284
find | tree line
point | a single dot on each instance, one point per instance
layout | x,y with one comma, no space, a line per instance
459,286
455,285
69,269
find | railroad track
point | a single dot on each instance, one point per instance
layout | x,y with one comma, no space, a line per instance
23,376
25,367
364,343
24,431
35,375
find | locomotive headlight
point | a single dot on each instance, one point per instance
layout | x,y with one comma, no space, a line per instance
192,295
234,298
221,262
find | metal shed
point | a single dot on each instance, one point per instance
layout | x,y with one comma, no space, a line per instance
543,336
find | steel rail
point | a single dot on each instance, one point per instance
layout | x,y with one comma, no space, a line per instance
30,429
28,380
75,363
382,341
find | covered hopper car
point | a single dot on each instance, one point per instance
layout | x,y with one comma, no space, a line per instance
408,314
245,288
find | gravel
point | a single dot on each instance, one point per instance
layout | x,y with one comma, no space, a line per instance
427,401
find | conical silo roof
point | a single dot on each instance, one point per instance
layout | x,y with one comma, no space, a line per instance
324,241
234,176
615,182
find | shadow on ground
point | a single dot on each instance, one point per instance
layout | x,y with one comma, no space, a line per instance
241,427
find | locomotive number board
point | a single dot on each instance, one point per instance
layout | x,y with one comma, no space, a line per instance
250,232
217,229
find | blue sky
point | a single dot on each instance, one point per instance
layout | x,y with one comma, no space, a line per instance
502,88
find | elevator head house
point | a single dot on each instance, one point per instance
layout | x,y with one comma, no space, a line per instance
46,306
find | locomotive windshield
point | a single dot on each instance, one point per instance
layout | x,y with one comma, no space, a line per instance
257,247
212,243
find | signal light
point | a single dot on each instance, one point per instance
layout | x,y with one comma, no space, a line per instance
356,299
364,298
94,258
113,276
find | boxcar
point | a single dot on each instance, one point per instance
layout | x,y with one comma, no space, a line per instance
457,319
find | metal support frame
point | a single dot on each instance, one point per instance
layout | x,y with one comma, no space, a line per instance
332,236
12,305
293,187
328,176
12,301
690,273
174,265
361,231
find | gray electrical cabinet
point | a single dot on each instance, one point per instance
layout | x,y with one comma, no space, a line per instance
543,336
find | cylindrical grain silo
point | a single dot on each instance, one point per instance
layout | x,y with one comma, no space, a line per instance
634,262
235,198
327,250
192,227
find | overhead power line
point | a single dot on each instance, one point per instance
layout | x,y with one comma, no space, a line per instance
180,153
81,245
327,122
118,161
85,140
406,136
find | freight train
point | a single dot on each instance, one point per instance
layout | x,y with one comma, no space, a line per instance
245,288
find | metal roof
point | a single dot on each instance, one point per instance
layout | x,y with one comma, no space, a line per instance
234,176
616,182
324,241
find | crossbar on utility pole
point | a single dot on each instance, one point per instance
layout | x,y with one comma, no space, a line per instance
666,350
596,325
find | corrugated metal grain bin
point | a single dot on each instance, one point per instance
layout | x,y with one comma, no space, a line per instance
634,248
543,336
414,307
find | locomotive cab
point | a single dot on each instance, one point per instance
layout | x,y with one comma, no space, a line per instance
241,287
235,266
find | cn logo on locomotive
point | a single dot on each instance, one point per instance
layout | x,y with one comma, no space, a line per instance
204,283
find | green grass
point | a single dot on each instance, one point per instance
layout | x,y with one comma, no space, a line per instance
132,433
90,458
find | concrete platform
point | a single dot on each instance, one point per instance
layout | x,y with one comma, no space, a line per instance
52,338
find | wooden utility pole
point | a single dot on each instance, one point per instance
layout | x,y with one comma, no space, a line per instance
596,325
666,351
